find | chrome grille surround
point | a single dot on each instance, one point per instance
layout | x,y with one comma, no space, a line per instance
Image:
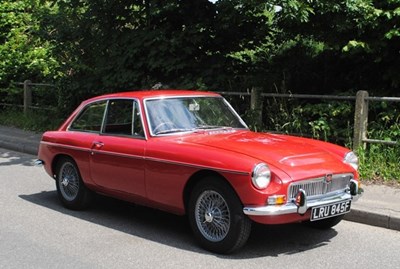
319,187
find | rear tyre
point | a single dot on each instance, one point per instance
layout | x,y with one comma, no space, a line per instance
325,224
71,190
216,217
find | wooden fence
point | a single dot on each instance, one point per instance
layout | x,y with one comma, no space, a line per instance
361,100
28,87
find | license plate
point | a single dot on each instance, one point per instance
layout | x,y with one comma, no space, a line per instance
331,210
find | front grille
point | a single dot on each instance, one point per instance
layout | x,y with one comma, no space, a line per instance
319,186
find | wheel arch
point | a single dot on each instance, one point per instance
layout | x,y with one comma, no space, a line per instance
229,239
197,177
56,160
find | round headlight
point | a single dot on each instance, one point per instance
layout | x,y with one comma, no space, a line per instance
352,159
261,176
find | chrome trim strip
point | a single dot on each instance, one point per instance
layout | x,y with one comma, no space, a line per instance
65,146
147,158
115,154
198,166
290,208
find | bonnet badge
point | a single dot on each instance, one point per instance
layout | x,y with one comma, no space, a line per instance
328,178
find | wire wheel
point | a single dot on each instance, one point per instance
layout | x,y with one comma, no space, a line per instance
212,215
71,189
69,181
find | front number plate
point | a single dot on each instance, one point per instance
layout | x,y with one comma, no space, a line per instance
331,210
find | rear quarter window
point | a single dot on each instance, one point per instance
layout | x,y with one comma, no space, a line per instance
90,119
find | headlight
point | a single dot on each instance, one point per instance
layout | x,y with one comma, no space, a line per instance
352,159
261,176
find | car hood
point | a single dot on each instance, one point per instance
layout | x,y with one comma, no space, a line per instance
297,157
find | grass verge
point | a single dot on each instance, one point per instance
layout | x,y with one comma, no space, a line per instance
35,120
380,163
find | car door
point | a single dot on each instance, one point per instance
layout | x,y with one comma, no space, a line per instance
84,129
117,155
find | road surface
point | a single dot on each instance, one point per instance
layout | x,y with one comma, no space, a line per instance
37,232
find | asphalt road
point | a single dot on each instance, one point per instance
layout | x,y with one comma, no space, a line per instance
37,232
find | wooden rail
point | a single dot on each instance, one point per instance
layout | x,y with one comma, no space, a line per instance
256,95
27,84
361,99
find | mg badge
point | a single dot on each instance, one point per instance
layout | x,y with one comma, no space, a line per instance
328,178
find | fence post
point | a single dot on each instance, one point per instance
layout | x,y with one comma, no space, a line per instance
360,119
256,106
27,96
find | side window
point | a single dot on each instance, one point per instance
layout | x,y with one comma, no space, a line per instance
119,117
123,118
90,119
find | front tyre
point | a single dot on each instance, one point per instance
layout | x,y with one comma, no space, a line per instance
71,190
216,217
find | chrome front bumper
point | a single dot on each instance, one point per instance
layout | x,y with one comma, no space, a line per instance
291,207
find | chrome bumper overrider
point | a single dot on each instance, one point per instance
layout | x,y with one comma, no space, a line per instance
291,207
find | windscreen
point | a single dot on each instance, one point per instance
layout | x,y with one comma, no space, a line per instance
169,115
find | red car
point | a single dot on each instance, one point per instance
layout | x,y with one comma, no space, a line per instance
188,152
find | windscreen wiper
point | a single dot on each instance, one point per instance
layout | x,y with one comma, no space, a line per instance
175,130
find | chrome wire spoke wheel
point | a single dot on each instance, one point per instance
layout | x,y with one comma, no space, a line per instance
212,216
69,181
216,216
71,189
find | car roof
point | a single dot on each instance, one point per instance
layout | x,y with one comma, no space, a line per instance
144,94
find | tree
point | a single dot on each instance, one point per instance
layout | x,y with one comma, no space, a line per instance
336,46
23,54
95,46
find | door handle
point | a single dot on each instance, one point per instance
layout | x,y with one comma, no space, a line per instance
97,145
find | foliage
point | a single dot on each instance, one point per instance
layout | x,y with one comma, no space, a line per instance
325,120
23,54
380,162
91,47
37,120
308,46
